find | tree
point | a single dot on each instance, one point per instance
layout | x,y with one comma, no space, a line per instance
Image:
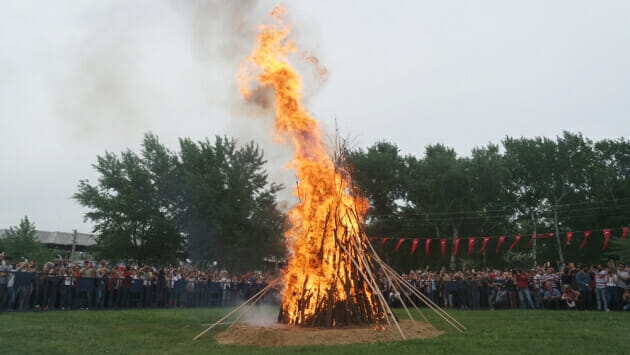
211,201
132,207
228,207
21,242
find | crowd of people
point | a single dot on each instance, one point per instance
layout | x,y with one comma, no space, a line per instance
86,285
90,285
594,287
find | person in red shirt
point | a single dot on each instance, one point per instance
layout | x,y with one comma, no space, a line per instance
125,286
522,284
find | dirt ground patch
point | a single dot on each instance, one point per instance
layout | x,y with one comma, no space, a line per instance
283,335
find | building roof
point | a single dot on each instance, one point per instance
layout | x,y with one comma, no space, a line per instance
62,238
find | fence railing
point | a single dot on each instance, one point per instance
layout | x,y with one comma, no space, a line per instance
25,291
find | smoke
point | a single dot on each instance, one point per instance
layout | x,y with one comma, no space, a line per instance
103,93
264,316
139,68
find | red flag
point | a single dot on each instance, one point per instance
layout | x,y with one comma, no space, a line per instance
456,245
443,246
427,246
569,237
384,241
372,239
606,238
501,240
531,241
471,244
483,245
624,234
516,239
414,245
399,244
586,235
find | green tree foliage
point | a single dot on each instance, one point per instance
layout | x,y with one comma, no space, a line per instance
524,186
131,205
228,207
211,201
21,242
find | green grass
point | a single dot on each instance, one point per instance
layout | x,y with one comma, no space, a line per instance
171,331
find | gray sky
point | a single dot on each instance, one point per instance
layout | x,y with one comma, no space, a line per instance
78,78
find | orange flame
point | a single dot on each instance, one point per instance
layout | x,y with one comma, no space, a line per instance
328,213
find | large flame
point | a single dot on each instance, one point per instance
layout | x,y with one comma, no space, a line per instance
328,213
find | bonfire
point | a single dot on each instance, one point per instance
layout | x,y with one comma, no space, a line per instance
331,277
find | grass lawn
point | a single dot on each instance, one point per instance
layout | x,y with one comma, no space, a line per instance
170,332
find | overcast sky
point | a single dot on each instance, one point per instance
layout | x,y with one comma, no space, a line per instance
78,78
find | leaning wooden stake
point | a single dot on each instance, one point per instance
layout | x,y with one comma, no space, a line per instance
425,297
428,302
252,304
413,303
377,291
232,312
443,314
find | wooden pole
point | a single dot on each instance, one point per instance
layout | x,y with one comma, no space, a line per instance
424,298
266,289
414,304
229,314
371,283
427,301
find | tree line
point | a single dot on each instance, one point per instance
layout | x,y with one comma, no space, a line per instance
209,201
520,186
213,201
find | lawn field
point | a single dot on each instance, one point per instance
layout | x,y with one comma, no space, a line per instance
170,331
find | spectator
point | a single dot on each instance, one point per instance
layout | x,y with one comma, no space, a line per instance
626,300
524,295
583,280
570,297
613,298
551,296
601,293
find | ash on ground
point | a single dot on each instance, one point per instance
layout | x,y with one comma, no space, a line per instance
284,335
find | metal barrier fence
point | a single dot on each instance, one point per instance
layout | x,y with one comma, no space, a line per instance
26,291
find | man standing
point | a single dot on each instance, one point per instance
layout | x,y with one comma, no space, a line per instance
601,293
4,273
522,284
551,297
583,281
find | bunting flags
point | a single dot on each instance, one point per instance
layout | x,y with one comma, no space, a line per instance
456,245
472,241
501,240
516,239
414,245
569,237
531,241
483,245
399,244
606,238
471,244
586,235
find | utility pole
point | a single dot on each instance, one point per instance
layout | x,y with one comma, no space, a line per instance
74,244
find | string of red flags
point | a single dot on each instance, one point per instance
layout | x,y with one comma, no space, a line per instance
516,239
501,240
606,234
471,244
569,237
586,235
